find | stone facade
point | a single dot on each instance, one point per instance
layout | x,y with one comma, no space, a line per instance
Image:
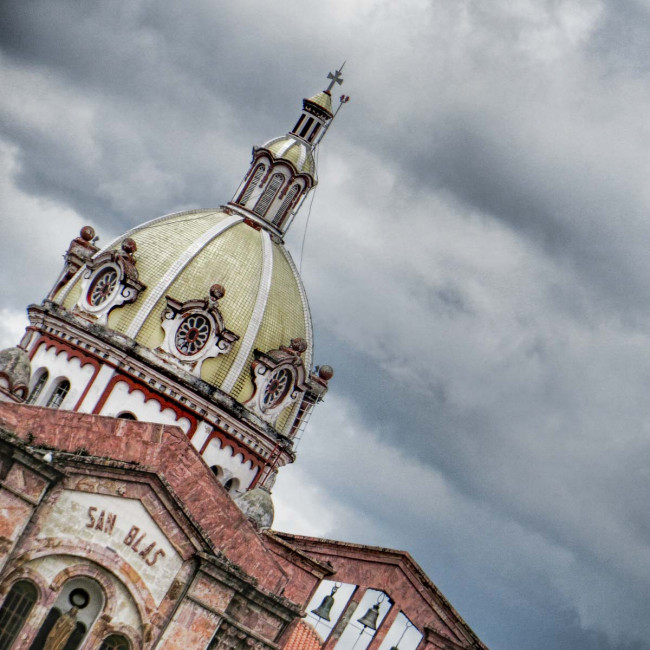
129,512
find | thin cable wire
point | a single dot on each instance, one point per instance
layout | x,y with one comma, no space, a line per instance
304,234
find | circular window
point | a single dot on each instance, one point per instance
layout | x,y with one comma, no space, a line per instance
79,598
102,286
277,388
192,334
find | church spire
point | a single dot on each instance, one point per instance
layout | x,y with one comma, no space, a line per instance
283,170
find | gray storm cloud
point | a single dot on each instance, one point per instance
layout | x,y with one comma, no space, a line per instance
476,260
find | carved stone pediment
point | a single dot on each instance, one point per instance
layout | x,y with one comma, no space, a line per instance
195,330
279,378
109,281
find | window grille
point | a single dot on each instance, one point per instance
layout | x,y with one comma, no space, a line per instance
38,387
269,194
291,195
15,610
252,184
57,397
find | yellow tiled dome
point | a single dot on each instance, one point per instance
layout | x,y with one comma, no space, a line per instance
295,151
182,256
324,100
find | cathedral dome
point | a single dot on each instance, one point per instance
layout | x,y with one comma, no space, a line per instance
221,263
295,151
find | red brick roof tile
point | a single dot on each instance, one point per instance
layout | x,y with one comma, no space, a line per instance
304,637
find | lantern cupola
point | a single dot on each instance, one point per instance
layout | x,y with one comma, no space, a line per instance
283,170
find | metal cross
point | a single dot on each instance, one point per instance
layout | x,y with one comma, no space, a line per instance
335,77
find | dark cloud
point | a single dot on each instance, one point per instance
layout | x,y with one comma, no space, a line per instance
476,261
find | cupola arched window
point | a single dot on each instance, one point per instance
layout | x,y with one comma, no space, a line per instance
38,387
127,415
252,184
115,642
286,204
59,394
269,194
15,610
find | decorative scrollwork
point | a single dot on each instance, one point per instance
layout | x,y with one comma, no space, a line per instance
279,379
195,330
110,280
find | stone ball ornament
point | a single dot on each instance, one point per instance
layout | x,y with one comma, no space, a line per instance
87,233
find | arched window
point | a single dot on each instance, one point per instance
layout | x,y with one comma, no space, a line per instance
269,194
252,184
126,415
288,199
38,387
74,640
15,610
231,484
73,613
217,471
115,642
57,397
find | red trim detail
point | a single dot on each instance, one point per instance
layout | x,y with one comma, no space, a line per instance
61,346
149,395
49,341
226,441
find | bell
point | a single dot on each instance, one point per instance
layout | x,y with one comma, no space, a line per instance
369,619
324,609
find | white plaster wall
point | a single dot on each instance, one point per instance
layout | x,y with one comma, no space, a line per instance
121,400
99,385
59,367
201,433
232,466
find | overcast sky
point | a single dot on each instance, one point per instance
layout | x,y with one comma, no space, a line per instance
477,261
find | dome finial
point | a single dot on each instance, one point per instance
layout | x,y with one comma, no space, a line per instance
335,78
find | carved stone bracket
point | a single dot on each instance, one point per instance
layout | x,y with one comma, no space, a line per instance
195,330
230,637
109,281
279,378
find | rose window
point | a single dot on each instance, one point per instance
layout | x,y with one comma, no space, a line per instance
102,287
277,388
192,334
